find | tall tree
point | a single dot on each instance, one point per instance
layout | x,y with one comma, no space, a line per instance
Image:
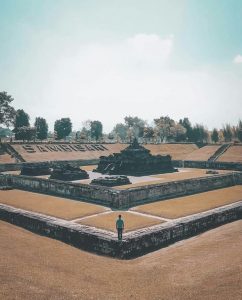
62,128
199,134
136,126
41,128
239,131
26,133
7,112
227,132
188,126
215,135
167,129
96,130
120,131
21,120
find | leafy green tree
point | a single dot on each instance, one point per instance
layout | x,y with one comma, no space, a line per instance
135,125
21,120
167,129
7,112
5,132
62,128
41,128
96,130
199,134
239,131
188,126
227,133
26,133
120,131
215,135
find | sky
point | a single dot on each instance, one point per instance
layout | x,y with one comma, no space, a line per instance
104,60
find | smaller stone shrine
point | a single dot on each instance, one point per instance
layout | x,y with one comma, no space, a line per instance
68,172
111,180
35,169
135,160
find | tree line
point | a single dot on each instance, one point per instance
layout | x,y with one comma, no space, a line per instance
162,129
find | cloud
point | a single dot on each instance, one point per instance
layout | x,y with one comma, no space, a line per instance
107,81
238,59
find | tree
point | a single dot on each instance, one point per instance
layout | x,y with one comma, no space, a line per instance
7,112
239,131
215,135
120,131
148,133
136,126
227,132
21,120
26,133
188,126
167,129
62,128
199,134
41,128
96,129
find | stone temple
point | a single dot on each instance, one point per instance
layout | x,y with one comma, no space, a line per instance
135,160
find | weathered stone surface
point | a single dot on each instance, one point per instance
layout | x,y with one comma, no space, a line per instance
122,198
135,160
68,173
134,244
35,169
111,180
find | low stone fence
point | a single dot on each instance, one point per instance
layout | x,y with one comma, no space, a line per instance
134,244
18,166
161,191
89,193
121,199
207,165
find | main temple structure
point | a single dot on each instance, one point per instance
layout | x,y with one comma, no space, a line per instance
135,160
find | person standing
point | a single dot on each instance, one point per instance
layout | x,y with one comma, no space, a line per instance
120,227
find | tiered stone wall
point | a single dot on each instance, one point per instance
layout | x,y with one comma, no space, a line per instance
135,243
77,162
207,165
121,198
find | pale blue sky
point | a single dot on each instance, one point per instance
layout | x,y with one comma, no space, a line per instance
107,59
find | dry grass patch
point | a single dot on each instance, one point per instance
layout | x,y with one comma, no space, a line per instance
49,205
89,167
233,154
203,153
131,221
184,206
34,267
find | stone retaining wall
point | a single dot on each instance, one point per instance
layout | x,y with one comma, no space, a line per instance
207,165
134,244
121,199
78,162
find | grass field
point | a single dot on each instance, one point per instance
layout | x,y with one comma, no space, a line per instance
188,205
131,221
207,266
49,205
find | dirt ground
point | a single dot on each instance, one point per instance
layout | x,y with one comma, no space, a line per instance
203,153
204,267
188,205
132,221
50,205
233,154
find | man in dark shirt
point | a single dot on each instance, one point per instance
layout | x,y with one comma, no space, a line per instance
120,227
